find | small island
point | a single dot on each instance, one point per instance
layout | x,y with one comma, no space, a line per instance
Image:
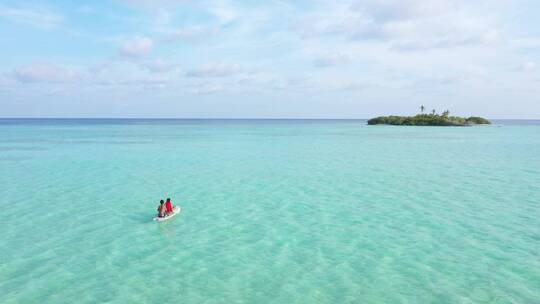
432,119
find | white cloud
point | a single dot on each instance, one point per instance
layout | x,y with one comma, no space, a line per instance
352,86
215,70
45,73
137,47
332,60
292,83
392,10
401,24
194,33
160,66
57,92
208,89
441,32
32,16
223,11
126,74
527,66
110,74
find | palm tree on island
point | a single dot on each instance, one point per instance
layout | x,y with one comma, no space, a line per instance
422,108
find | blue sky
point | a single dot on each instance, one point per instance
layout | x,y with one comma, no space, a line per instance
272,59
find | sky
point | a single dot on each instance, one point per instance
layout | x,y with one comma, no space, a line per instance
269,59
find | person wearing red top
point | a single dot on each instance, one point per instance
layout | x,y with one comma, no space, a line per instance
168,206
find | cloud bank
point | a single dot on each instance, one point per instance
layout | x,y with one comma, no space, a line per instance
346,58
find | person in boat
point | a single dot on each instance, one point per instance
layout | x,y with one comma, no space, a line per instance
168,207
161,209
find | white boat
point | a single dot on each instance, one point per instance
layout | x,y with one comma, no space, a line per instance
176,210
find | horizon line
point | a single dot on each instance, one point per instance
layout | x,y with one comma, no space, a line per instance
224,118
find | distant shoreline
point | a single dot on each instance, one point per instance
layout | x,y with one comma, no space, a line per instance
219,118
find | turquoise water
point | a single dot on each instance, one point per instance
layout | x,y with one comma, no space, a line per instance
273,212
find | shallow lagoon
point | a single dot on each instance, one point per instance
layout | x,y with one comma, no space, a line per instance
275,211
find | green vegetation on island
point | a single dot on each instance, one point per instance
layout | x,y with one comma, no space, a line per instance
432,119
